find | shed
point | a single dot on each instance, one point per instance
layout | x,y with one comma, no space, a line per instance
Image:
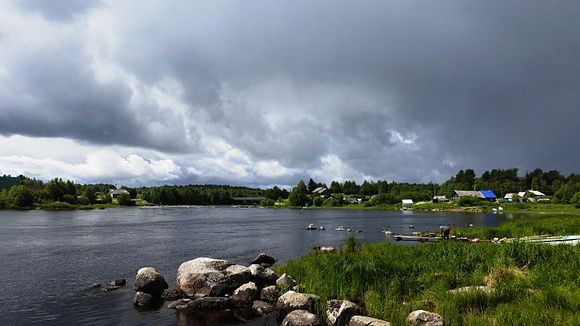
407,202
462,193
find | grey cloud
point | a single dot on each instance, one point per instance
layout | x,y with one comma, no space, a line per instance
55,94
58,10
484,84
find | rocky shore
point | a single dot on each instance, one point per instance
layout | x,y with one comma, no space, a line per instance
207,288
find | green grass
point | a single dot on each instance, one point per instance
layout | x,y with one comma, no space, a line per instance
526,225
534,284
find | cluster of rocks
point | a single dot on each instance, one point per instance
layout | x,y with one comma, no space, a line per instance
207,284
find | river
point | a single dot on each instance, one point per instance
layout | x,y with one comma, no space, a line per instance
50,259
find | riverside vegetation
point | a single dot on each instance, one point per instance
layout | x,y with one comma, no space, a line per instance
25,193
528,284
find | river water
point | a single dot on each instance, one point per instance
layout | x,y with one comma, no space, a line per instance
48,260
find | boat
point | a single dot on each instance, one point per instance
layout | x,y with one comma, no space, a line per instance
321,228
340,228
568,239
311,227
401,237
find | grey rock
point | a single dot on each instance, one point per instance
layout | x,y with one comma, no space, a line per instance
270,294
204,277
172,294
264,259
291,300
149,280
245,295
300,318
262,308
424,318
285,281
339,312
119,282
179,304
142,299
110,288
367,321
262,276
210,303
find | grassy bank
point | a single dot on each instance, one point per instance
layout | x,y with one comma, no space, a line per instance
534,284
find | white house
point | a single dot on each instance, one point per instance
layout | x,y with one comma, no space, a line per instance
407,202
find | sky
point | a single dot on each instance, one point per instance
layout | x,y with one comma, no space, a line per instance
266,92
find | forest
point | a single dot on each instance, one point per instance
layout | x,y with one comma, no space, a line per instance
23,192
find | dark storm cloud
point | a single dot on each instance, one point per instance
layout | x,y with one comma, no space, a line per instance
58,10
410,90
54,93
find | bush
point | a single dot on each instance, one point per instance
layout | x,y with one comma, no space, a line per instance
125,200
69,199
469,201
317,201
83,201
267,202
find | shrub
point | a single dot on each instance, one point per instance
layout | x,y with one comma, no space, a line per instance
125,200
469,201
267,202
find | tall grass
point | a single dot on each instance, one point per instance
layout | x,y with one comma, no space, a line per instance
533,283
527,225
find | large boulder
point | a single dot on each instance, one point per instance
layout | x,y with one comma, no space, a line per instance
264,260
291,301
367,321
300,318
150,281
202,277
245,295
262,308
285,281
424,318
262,276
270,293
339,312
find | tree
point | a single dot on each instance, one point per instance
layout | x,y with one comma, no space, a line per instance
299,195
125,200
21,196
335,187
312,185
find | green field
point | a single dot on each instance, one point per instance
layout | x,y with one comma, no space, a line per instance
534,284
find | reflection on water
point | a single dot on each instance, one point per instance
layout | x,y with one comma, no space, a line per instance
49,259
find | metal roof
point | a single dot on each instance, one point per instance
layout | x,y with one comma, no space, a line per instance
488,194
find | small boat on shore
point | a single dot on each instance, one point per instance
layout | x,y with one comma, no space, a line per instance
311,226
401,237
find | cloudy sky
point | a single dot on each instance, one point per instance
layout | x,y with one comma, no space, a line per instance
268,92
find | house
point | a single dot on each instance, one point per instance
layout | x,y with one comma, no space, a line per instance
407,202
533,195
440,199
462,193
509,197
322,191
114,193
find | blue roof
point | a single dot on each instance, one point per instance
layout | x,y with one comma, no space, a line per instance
488,194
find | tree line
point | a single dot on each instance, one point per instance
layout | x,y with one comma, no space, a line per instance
21,191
